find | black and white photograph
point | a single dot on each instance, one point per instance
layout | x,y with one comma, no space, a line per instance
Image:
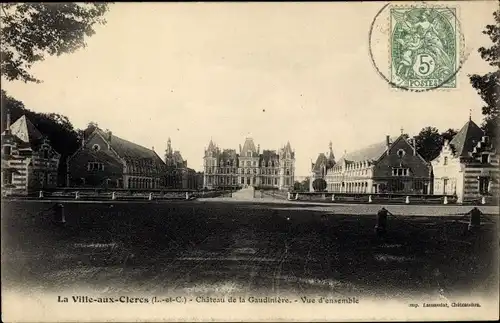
250,161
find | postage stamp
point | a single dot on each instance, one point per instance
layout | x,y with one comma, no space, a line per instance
424,49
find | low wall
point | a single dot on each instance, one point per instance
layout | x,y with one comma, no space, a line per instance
101,194
386,198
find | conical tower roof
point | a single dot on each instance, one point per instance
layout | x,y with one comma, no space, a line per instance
464,141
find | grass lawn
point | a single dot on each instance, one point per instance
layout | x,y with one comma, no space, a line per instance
241,248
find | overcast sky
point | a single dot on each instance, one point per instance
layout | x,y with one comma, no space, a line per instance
277,72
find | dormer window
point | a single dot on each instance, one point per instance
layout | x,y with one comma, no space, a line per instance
95,166
485,158
7,150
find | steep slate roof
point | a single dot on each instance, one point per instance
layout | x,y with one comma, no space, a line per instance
130,151
211,145
288,148
248,146
25,130
268,155
371,152
464,141
321,160
228,154
177,157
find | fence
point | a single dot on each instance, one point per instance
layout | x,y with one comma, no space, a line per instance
119,194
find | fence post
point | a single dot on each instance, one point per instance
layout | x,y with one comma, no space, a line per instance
150,196
381,226
369,198
483,200
60,217
113,196
296,196
475,219
445,201
407,201
187,195
77,195
40,195
333,197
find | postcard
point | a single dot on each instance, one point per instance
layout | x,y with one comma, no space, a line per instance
250,161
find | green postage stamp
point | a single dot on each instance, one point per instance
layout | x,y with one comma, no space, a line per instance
424,50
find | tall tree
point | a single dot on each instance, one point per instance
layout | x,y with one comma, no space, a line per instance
449,134
31,31
428,143
488,85
319,185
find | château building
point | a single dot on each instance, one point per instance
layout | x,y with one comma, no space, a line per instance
106,160
323,164
178,175
249,166
29,163
391,166
467,166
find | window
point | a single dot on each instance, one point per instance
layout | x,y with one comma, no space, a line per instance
7,150
96,147
484,185
46,154
249,154
242,180
445,161
401,153
400,172
95,166
484,159
7,179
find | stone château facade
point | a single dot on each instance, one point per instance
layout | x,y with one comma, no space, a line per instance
467,166
29,163
249,167
391,166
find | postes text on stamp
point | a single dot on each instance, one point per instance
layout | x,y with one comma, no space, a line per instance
424,47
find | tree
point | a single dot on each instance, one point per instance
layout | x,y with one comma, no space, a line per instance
31,31
297,186
449,134
305,184
429,141
319,185
488,85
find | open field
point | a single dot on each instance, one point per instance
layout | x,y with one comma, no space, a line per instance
272,248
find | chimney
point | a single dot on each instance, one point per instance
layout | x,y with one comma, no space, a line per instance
8,120
258,149
240,148
387,143
110,135
414,145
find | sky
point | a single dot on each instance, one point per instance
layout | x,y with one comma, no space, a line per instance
276,72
